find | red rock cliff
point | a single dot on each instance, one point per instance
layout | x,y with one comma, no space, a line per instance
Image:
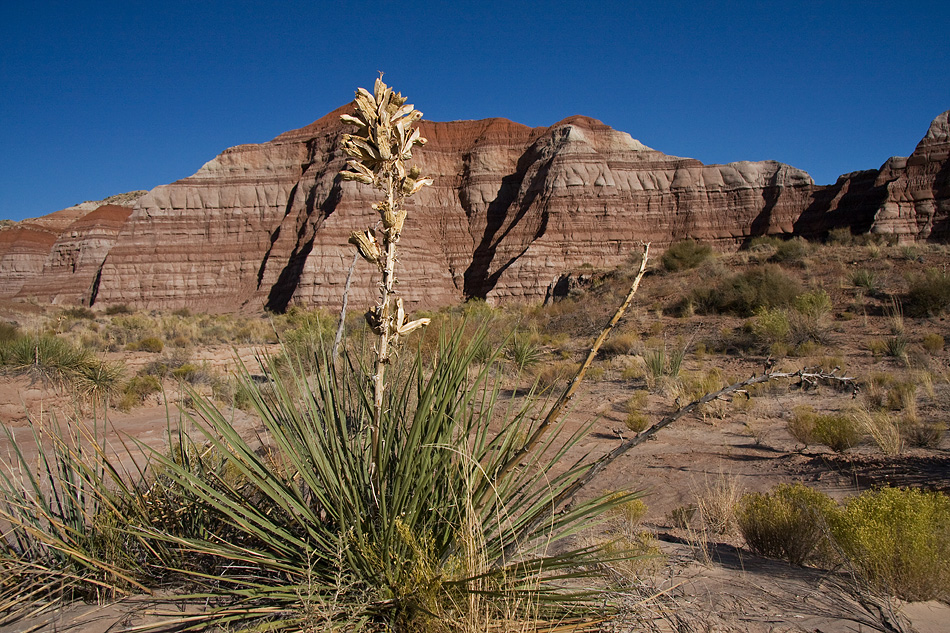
512,208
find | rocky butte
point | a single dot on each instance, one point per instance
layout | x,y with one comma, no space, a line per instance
513,209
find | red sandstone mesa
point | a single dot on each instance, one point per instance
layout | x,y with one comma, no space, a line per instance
512,209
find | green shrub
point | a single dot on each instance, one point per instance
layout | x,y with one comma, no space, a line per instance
523,351
896,346
685,255
791,251
136,390
801,425
814,304
151,344
867,280
789,523
837,431
899,540
742,294
928,294
840,236
46,356
770,326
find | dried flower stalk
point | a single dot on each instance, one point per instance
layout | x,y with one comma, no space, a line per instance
379,152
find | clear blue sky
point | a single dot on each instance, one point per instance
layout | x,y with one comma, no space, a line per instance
98,98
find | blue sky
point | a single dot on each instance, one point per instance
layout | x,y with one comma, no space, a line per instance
98,98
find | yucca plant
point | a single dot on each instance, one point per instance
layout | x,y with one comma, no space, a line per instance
64,521
384,496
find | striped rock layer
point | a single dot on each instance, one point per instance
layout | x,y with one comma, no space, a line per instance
512,209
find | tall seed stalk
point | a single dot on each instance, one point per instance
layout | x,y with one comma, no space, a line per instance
379,151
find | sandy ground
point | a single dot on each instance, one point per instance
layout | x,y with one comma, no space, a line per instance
706,582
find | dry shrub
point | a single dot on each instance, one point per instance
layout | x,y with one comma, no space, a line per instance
549,375
883,429
716,503
922,434
928,294
789,523
620,344
932,342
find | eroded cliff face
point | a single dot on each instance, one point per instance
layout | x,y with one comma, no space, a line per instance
512,208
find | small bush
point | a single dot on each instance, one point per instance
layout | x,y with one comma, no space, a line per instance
742,294
685,255
119,308
867,280
932,342
789,523
801,425
899,540
770,326
636,420
717,504
922,434
551,374
883,428
791,251
619,345
151,344
837,431
523,351
815,304
928,294
896,346
46,357
840,236
78,312
137,390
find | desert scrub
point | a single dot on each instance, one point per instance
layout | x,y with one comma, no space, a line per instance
883,427
716,504
932,342
742,294
57,361
523,350
792,251
685,255
136,390
151,344
119,308
621,344
928,294
549,375
838,431
8,332
865,280
899,540
790,523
